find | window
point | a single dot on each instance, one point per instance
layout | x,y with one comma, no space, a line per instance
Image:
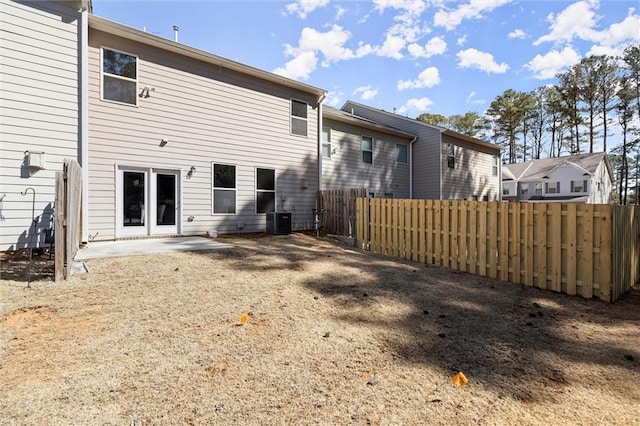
524,189
401,153
578,186
505,189
552,188
495,162
388,195
224,189
538,189
372,195
298,118
451,159
119,77
326,142
265,190
367,150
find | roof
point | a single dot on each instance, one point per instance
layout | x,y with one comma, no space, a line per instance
442,130
130,33
346,117
537,169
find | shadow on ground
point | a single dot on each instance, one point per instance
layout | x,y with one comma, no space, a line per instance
514,339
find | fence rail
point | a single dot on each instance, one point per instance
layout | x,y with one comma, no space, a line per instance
563,247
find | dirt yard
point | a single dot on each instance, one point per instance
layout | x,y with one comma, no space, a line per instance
334,336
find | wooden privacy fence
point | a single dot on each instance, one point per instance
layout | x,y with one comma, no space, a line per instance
67,224
337,208
564,247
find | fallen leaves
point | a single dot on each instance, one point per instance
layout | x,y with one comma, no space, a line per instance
460,379
244,318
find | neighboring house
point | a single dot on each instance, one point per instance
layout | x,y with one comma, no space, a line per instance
447,165
183,141
586,178
41,108
357,152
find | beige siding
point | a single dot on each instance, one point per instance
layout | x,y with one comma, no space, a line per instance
472,174
209,115
39,98
345,168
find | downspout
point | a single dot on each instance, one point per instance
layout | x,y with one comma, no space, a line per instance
319,147
440,164
415,138
84,118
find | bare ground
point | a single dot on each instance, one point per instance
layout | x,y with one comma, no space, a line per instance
335,336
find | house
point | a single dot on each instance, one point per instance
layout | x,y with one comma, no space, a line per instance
357,152
183,141
586,178
42,106
446,165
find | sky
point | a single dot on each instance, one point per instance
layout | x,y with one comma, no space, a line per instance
409,56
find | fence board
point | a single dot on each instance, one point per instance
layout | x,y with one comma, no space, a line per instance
463,262
503,255
492,242
571,238
482,239
606,228
454,231
473,238
555,238
587,252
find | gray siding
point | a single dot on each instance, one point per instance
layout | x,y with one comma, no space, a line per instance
426,160
209,115
345,168
472,174
39,98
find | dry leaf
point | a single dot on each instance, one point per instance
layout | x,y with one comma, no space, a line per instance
244,318
460,379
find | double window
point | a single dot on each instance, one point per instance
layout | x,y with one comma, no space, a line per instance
552,187
326,142
495,161
224,189
578,186
298,118
401,154
538,188
265,190
367,150
119,77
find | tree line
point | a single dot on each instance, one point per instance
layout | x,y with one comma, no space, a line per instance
571,117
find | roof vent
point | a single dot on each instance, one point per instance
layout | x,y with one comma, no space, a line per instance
175,33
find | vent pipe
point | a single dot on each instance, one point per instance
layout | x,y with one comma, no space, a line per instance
175,33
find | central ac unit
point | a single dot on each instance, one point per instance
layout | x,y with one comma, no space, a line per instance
279,223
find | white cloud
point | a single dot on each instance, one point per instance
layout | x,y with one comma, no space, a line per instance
517,33
435,46
366,92
547,66
334,98
577,20
471,100
421,105
472,58
462,40
299,67
303,7
392,47
415,7
472,10
428,78
612,40
312,43
340,11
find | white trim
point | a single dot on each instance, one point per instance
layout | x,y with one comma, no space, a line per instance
102,74
329,142
291,117
362,150
256,190
406,154
84,119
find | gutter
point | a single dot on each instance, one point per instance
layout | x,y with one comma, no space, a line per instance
319,136
84,117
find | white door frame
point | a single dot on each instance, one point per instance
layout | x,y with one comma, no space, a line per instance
149,216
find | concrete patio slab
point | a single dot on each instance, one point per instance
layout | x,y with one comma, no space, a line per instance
100,249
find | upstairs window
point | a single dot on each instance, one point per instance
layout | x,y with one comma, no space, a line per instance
552,187
326,142
119,77
578,186
367,150
524,189
265,190
451,158
401,153
224,189
495,161
298,118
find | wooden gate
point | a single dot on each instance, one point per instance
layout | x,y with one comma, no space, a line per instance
68,218
337,208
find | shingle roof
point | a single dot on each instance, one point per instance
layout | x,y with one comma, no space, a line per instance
537,169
